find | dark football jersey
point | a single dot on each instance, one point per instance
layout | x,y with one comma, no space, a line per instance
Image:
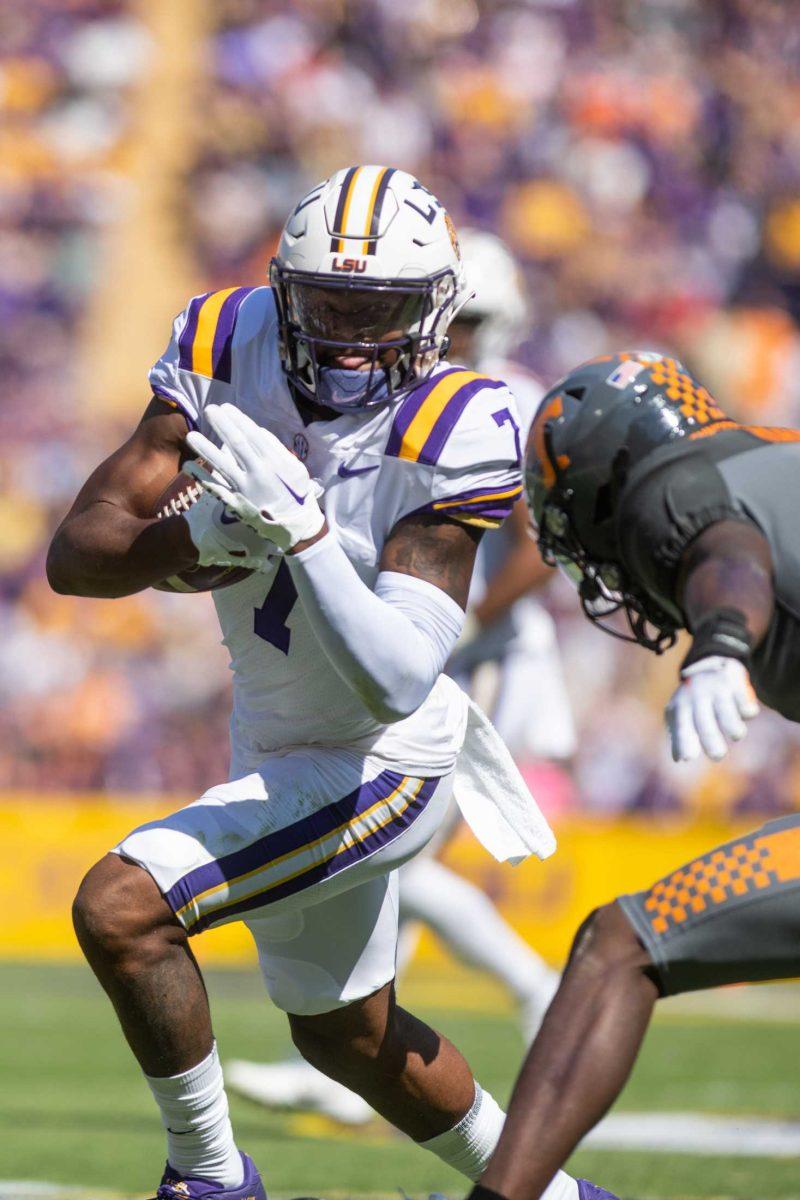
740,474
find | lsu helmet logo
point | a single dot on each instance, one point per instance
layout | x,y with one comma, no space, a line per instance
351,265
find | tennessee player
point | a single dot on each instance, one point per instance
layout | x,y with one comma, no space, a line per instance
354,472
669,515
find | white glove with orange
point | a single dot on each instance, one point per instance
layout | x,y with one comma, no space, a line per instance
263,483
709,708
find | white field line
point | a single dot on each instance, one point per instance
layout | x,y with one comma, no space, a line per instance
697,1133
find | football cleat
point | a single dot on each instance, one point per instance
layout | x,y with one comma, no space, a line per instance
590,1191
296,1085
186,1187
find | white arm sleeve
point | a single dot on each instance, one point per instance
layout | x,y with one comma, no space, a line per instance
389,645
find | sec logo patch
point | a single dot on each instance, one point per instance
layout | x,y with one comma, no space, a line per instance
300,446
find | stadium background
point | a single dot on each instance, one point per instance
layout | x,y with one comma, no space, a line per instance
642,160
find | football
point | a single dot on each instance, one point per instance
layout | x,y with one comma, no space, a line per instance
179,495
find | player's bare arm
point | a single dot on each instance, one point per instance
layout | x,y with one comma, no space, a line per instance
439,551
728,567
725,590
109,544
523,570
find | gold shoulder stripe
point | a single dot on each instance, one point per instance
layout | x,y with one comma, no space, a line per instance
203,343
432,408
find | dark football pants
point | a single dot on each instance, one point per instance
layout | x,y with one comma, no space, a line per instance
731,916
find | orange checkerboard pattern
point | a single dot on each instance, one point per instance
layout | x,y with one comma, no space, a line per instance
743,868
693,400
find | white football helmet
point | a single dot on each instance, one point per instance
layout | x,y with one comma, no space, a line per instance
498,307
367,279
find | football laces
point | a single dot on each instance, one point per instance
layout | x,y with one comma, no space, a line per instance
180,503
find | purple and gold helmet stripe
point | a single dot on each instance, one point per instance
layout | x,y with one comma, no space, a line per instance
343,209
373,225
428,416
205,343
294,858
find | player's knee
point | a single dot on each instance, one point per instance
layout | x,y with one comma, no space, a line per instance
606,945
348,1040
116,906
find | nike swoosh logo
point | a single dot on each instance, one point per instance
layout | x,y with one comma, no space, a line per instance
292,492
347,472
226,518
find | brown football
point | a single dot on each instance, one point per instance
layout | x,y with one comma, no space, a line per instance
177,496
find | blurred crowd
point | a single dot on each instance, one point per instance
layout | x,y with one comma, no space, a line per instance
641,159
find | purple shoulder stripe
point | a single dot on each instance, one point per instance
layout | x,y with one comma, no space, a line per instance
186,339
408,409
175,401
223,335
489,503
446,423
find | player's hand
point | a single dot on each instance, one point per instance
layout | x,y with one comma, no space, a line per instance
221,540
708,710
263,483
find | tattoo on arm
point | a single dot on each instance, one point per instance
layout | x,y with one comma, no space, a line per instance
433,548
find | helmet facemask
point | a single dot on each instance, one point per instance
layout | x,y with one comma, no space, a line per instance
396,327
603,587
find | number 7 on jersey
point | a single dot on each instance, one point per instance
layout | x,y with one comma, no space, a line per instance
269,621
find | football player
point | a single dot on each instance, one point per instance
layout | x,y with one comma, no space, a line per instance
667,515
353,472
513,633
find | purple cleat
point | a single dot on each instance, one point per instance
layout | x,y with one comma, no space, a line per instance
186,1187
590,1191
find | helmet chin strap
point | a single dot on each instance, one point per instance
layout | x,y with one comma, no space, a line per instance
344,389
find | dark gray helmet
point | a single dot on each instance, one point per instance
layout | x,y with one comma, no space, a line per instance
591,428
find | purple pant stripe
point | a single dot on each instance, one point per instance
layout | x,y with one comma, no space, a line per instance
409,408
186,339
315,874
436,439
223,334
283,841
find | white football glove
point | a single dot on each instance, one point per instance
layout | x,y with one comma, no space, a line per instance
221,540
709,708
265,485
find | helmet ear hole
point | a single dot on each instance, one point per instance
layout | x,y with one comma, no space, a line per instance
604,503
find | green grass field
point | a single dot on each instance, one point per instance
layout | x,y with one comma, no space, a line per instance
73,1109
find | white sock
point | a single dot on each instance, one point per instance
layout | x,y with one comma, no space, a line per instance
561,1187
469,1145
194,1111
470,925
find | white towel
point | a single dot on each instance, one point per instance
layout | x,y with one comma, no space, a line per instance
494,798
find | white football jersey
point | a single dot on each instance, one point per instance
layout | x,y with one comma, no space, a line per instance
527,393
451,446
